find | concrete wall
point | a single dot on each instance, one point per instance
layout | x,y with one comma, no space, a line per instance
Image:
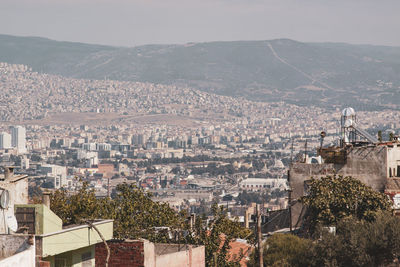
46,221
393,160
75,238
368,164
18,195
16,251
12,244
137,253
83,257
180,256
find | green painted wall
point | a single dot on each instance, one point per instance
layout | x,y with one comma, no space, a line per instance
73,258
75,238
46,220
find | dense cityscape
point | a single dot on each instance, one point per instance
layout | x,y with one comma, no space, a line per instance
199,134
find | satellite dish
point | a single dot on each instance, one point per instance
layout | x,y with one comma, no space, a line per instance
4,199
347,112
11,222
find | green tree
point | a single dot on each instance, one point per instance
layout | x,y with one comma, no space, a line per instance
360,243
332,198
137,216
285,250
216,236
72,208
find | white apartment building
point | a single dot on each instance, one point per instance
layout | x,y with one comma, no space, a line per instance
18,138
5,140
259,184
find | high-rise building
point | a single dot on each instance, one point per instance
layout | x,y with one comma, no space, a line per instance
5,140
18,138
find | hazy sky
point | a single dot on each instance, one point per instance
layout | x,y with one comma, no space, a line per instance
136,22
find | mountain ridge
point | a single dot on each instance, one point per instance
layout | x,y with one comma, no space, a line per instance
264,70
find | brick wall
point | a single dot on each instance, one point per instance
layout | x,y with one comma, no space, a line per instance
123,254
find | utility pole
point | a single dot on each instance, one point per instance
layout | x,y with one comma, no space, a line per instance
290,202
108,187
259,236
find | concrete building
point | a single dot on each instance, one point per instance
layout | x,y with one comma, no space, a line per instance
5,140
56,174
259,184
73,245
32,235
142,252
18,138
362,156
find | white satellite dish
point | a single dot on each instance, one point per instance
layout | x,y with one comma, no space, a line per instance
4,199
11,222
347,112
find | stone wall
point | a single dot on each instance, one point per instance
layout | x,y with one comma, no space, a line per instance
369,164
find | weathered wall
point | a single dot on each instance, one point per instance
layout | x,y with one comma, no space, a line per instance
129,253
188,257
18,195
368,164
75,238
16,251
144,253
83,257
12,244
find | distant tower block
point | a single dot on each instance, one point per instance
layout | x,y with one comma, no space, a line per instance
5,140
18,138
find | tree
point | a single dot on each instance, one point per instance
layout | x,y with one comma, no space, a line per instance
332,198
360,243
285,250
355,243
216,236
137,216
72,209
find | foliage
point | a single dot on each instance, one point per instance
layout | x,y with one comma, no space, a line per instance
246,197
332,198
355,243
284,250
360,243
216,236
82,205
137,216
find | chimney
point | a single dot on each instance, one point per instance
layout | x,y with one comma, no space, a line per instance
8,173
46,199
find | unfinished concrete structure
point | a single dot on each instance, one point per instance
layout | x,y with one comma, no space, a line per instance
360,155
